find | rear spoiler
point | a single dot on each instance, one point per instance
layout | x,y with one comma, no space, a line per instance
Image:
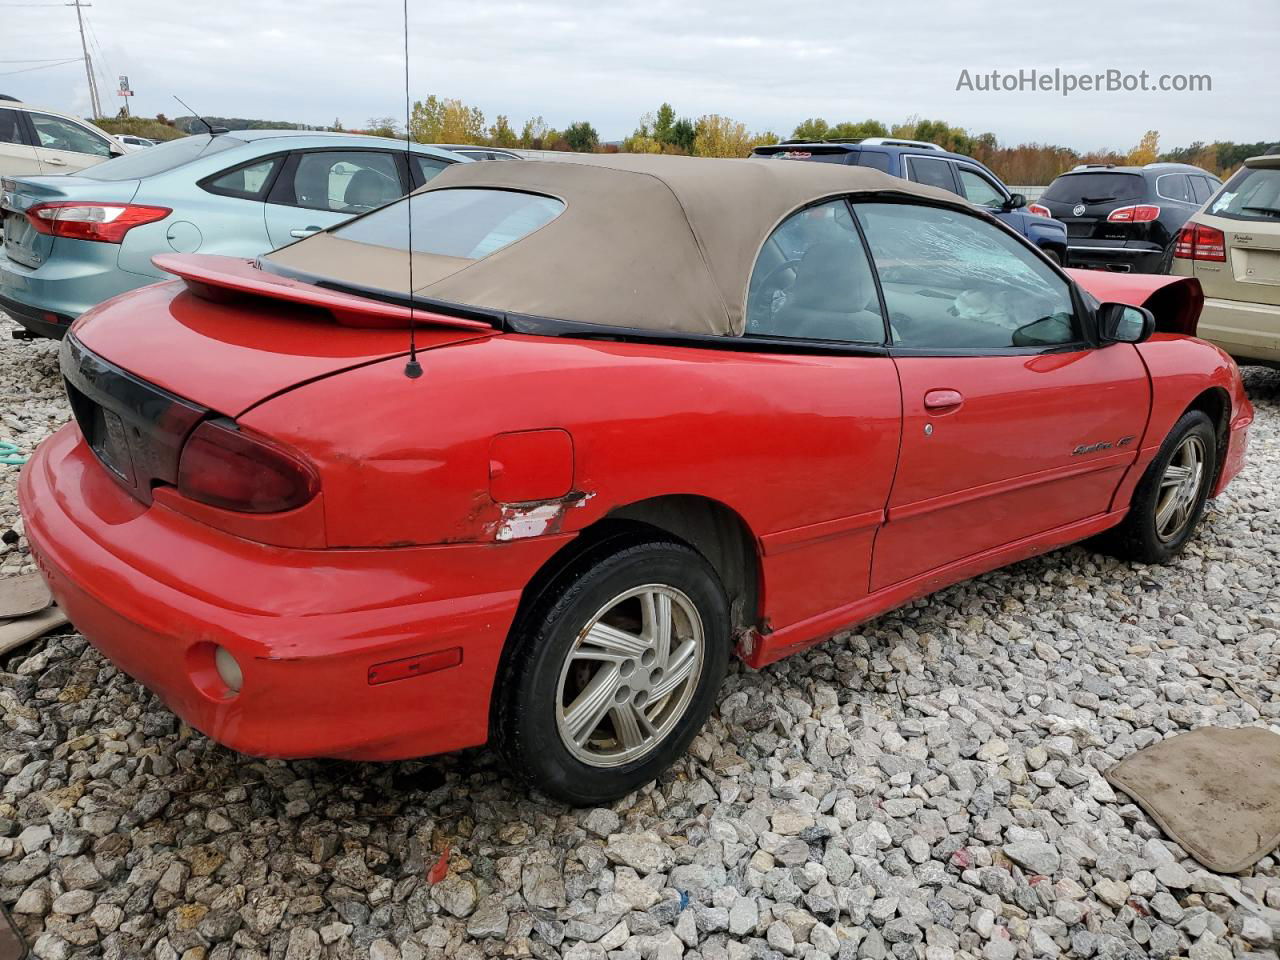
229,279
1174,301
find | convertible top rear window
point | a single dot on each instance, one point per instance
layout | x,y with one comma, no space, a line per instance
467,223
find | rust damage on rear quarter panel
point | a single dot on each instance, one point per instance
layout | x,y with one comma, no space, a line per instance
535,518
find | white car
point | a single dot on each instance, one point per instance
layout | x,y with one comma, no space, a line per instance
134,142
36,141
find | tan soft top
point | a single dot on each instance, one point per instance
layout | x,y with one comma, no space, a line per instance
649,242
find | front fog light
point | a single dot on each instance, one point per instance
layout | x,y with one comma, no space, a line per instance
228,669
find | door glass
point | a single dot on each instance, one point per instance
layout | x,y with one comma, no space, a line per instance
1174,186
812,280
979,190
345,181
953,281
935,173
11,127
874,158
429,166
1201,187
54,133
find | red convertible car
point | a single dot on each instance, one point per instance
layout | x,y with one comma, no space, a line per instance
659,411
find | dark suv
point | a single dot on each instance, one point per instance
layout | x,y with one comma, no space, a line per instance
1125,218
929,163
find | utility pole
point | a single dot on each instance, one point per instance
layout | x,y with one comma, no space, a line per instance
88,63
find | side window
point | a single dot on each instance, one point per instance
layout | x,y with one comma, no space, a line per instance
428,167
875,159
54,133
248,182
935,173
1202,187
11,127
1174,186
978,190
344,181
812,280
954,281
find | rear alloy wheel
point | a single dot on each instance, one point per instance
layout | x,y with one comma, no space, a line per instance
613,671
1170,499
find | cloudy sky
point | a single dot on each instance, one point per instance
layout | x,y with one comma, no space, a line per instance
767,64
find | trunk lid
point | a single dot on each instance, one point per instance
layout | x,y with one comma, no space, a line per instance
25,245
228,350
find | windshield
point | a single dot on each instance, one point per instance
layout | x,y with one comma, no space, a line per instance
161,158
1252,193
1094,188
468,223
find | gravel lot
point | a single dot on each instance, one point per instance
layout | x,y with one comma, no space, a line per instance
928,786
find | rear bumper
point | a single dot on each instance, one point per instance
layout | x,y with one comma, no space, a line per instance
1248,331
1122,256
46,299
41,323
155,592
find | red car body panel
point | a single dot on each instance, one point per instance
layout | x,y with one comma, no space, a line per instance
860,482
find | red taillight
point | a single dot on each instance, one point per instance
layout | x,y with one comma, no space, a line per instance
1038,210
234,470
100,222
1198,242
1142,213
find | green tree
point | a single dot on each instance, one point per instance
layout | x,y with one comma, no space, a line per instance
663,121
501,134
815,128
851,131
581,137
683,134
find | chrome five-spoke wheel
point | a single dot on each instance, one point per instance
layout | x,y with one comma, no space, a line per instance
1180,485
630,675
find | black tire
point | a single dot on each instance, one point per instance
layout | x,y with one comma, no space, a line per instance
1052,255
529,698
1139,536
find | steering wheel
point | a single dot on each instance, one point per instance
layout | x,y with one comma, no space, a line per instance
771,284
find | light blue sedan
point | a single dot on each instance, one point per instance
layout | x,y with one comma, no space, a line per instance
71,242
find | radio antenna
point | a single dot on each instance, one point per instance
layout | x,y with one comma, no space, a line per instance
412,369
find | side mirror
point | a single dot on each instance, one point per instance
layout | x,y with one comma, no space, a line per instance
1016,201
1122,323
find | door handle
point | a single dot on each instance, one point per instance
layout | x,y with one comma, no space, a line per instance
56,162
941,401
304,232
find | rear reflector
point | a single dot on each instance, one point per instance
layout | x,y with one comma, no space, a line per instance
414,666
228,468
1141,213
1198,242
99,222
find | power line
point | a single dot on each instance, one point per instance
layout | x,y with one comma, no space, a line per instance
46,60
45,66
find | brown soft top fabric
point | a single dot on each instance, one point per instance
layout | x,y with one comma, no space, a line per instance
649,242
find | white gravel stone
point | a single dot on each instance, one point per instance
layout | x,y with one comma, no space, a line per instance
864,798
